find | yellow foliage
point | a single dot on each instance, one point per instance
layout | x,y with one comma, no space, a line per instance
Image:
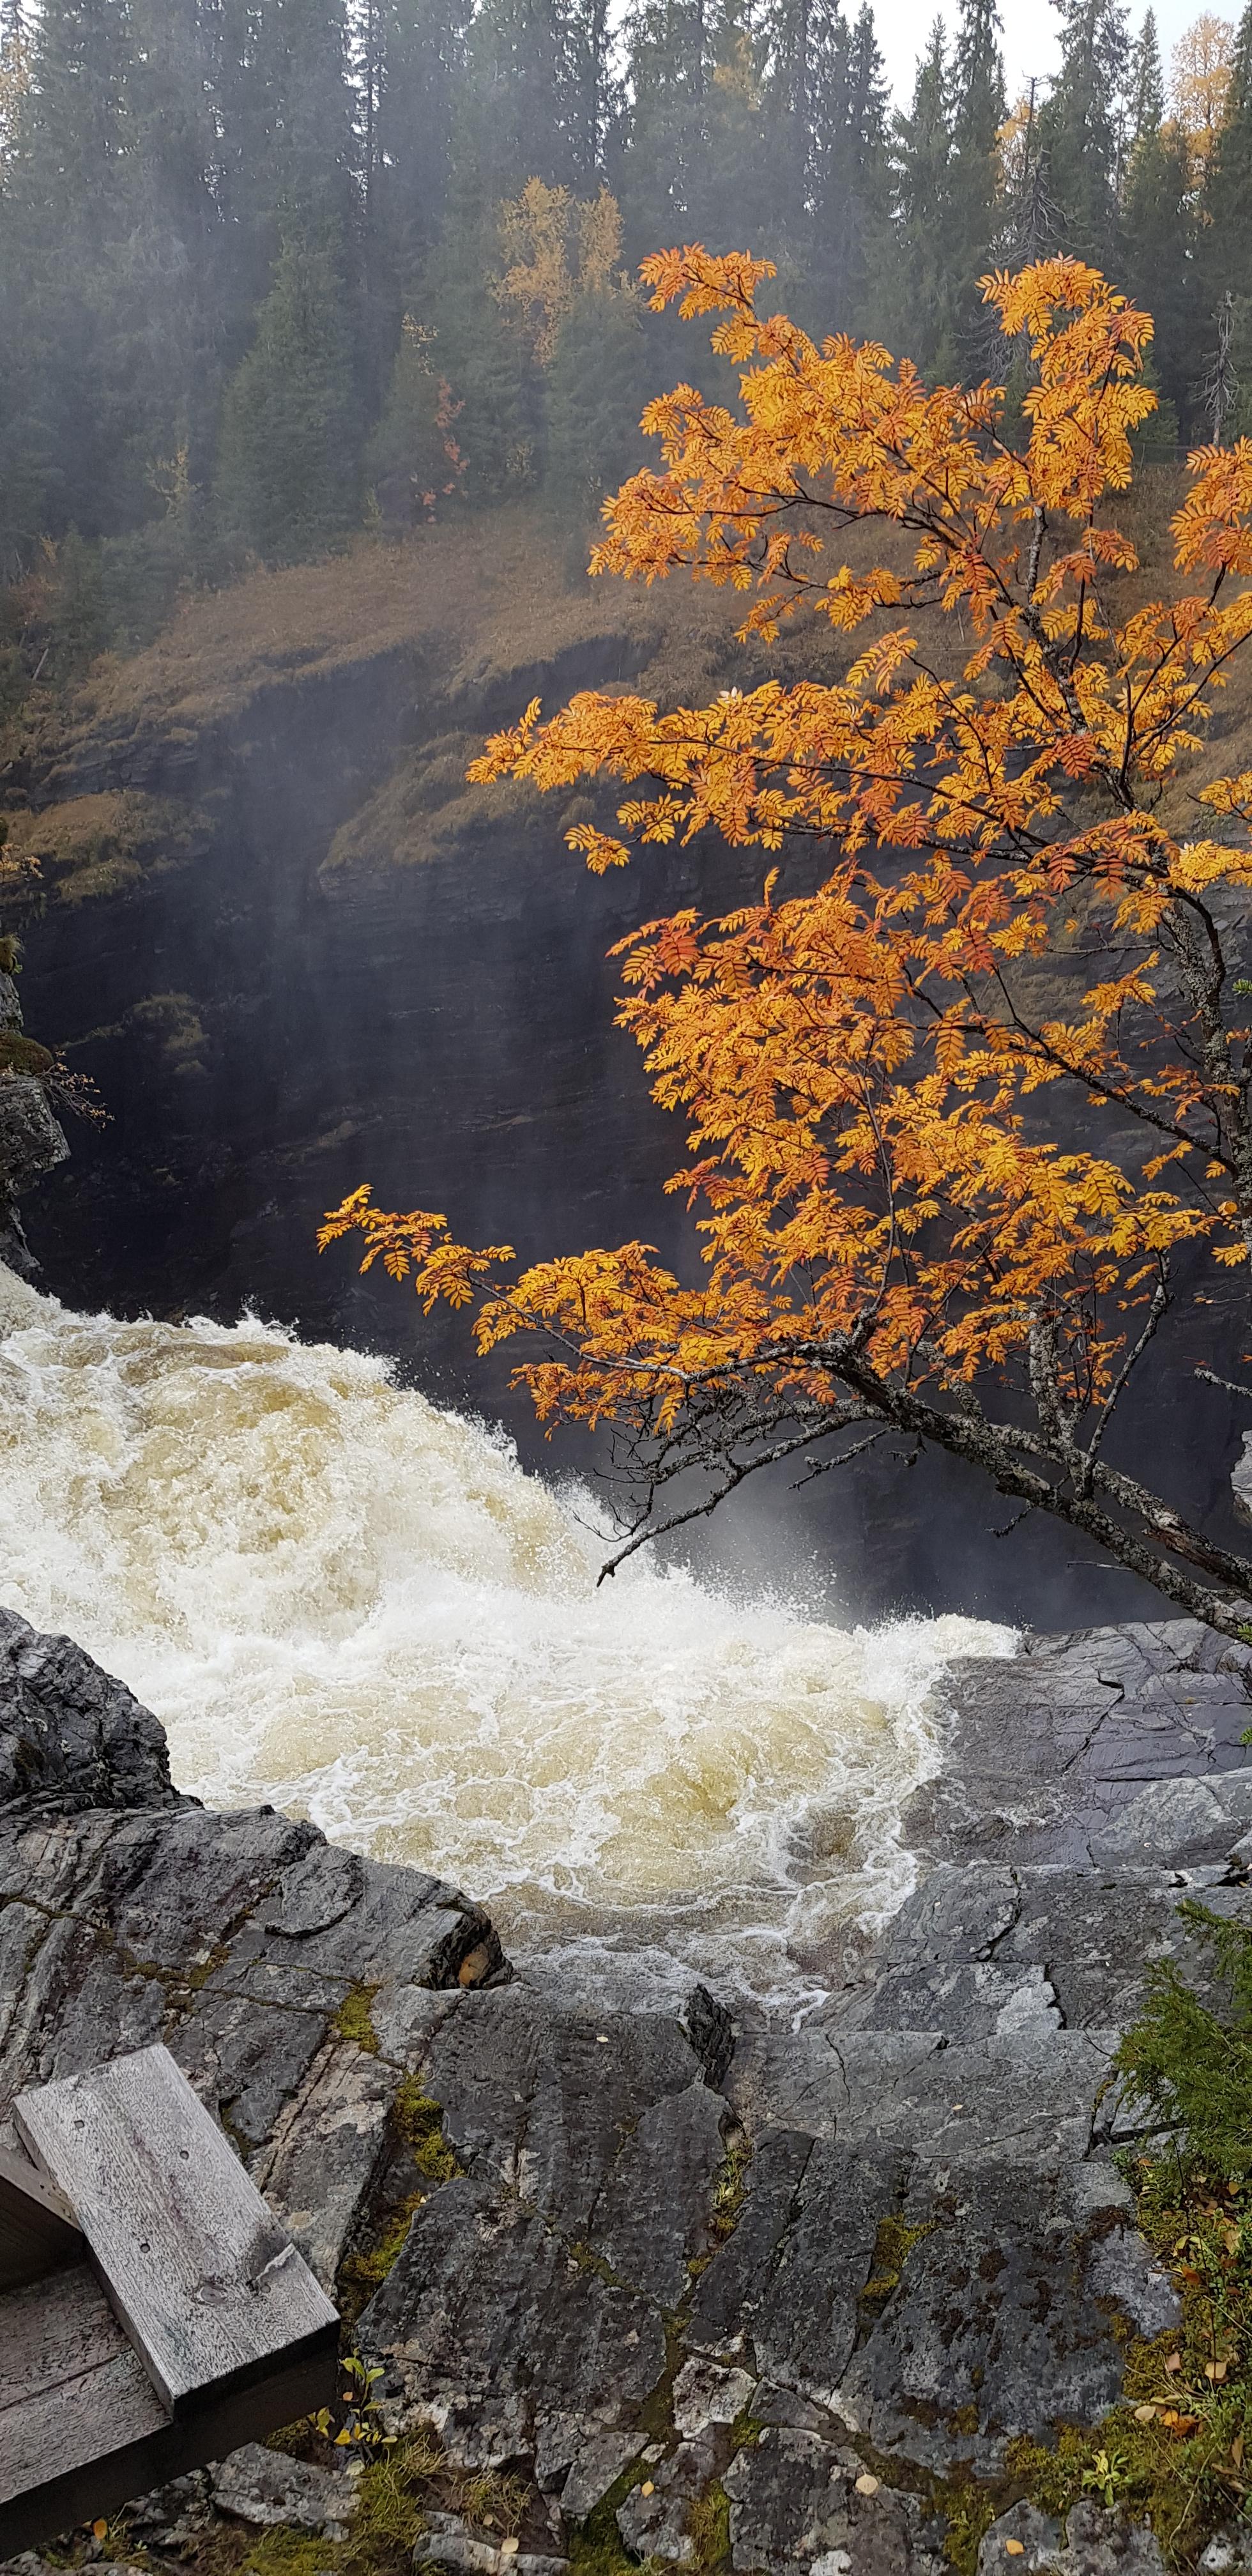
1200,74
558,247
15,77
884,1221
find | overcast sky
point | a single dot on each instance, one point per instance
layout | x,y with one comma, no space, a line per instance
1029,34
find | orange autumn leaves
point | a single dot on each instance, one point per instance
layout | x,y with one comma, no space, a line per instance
985,911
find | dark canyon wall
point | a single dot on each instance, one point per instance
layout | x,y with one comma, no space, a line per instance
295,953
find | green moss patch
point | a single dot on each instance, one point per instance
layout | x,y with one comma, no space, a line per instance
709,2525
365,2270
968,2511
596,2547
419,2121
287,2552
893,2245
730,2189
421,2162
354,2019
19,1054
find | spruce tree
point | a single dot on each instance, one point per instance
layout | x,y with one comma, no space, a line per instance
484,359
699,162
789,122
302,60
421,69
288,479
919,316
669,69
593,398
978,113
1159,269
177,254
733,201
509,125
408,66
73,206
851,179
1082,129
1228,193
589,91
413,462
79,112
1146,112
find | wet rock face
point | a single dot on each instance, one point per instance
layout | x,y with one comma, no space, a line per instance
71,1736
284,1976
1047,1753
759,2296
32,1140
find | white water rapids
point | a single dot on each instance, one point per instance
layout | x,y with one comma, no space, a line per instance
344,1601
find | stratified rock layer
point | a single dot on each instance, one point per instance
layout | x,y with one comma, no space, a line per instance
783,2286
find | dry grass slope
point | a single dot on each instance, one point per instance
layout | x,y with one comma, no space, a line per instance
488,613
102,844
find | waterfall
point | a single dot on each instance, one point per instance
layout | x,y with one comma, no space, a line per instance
340,1599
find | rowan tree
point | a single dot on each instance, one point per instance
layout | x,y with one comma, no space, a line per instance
892,1081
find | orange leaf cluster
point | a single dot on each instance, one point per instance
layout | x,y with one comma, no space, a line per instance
881,1199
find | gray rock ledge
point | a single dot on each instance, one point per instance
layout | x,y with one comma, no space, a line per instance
793,2281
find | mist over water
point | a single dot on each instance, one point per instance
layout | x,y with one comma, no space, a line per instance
358,1607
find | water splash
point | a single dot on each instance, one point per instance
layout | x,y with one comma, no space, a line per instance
340,1599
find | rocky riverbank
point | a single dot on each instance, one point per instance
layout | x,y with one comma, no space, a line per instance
688,2294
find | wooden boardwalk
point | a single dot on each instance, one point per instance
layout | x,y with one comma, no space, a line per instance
153,2313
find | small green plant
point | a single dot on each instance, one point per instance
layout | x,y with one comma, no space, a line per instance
20,1054
362,2427
387,2505
285,2552
968,2512
367,2267
596,2547
731,2186
729,2194
1106,2479
709,2525
1174,2452
1190,2066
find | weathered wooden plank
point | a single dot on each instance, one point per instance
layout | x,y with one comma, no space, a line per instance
81,2427
72,2389
37,2229
202,2276
51,2331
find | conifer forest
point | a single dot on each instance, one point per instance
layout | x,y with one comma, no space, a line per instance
273,270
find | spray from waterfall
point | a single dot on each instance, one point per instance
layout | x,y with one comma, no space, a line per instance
342,1600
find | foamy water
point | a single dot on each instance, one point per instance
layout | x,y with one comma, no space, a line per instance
342,1600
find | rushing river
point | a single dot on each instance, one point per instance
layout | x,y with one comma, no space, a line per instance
344,1601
